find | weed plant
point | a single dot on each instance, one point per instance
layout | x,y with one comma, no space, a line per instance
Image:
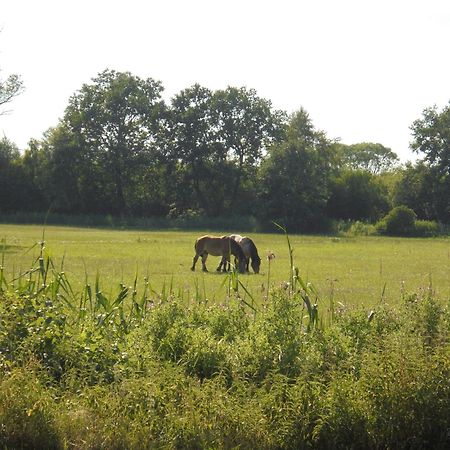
144,369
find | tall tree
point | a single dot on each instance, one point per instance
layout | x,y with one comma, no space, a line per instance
431,136
29,193
117,122
368,156
61,171
422,189
296,176
9,153
194,150
247,125
358,195
9,157
219,139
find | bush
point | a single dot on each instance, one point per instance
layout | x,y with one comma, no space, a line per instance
399,221
426,228
358,228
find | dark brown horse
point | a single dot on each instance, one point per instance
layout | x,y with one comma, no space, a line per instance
250,251
218,246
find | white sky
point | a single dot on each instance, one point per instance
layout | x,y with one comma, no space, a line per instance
364,70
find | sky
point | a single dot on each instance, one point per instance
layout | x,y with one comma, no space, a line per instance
363,70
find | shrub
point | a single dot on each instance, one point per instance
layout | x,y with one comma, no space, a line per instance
359,228
398,222
401,221
426,228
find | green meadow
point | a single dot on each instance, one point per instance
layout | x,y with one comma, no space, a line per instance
356,271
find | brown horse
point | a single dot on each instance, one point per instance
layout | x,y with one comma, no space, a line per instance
250,251
218,246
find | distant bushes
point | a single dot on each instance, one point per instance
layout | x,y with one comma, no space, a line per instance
427,228
402,221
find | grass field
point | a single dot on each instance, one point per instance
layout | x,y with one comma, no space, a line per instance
357,271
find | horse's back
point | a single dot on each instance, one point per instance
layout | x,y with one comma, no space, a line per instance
213,245
236,237
200,243
246,244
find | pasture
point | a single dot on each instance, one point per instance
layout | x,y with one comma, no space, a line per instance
356,271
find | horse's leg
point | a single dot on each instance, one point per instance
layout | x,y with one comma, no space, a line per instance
221,263
229,263
194,262
204,257
224,262
248,262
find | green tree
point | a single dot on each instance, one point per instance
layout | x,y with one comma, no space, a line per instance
60,170
358,195
195,152
372,157
218,141
246,126
9,157
431,137
22,190
117,122
9,152
423,190
296,176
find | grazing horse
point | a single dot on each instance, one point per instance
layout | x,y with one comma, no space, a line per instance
218,246
250,251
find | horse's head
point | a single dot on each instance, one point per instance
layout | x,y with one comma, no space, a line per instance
256,263
242,264
237,251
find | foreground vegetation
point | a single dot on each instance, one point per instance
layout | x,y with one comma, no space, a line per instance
156,370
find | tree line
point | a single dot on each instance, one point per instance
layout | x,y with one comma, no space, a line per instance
120,149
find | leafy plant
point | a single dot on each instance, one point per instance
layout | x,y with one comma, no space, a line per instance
398,222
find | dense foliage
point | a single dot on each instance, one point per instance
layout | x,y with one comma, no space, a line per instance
120,149
149,370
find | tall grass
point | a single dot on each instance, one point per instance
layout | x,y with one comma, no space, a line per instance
147,369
